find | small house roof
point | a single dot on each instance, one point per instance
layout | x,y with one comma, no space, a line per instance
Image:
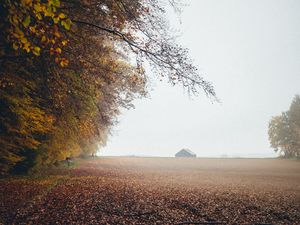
187,150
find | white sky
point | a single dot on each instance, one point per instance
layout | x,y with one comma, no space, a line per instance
250,51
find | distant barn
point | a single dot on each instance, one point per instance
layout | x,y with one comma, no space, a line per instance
185,153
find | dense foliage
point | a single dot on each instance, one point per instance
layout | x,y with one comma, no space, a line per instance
284,131
67,67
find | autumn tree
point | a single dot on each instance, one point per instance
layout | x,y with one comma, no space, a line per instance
31,26
69,66
284,131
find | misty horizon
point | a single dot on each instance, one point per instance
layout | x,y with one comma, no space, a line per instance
250,51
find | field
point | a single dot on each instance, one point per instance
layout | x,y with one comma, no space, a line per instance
124,190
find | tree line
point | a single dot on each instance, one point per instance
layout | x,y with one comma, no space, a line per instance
69,66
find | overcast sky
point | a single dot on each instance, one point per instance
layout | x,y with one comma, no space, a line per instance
250,51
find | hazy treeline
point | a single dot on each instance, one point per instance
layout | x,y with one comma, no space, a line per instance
67,67
284,131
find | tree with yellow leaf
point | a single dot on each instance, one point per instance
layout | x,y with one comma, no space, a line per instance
68,67
33,27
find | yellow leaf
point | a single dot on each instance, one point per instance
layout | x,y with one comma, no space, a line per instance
15,46
18,33
38,16
64,42
61,16
55,3
44,39
43,8
37,7
36,50
26,22
66,24
32,29
57,59
24,40
58,50
52,51
49,11
55,20
26,2
64,62
15,19
26,47
57,34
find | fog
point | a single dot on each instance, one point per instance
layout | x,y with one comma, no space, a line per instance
250,51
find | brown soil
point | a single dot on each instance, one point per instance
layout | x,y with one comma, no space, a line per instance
121,190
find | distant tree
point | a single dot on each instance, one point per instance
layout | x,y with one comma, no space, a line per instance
284,131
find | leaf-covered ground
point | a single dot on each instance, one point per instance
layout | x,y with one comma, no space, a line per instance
120,190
